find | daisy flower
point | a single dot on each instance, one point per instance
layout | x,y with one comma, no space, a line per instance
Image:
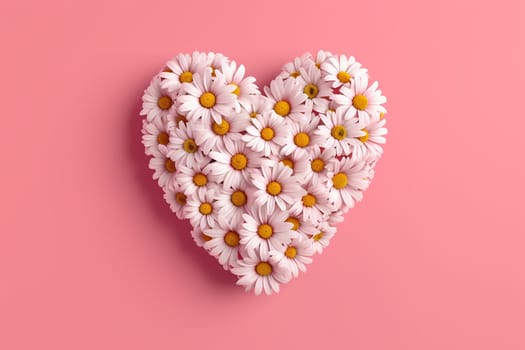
368,146
315,88
209,134
275,186
243,87
224,243
206,98
176,199
257,106
360,99
157,102
182,146
314,205
181,69
287,99
340,70
295,257
200,209
300,135
302,227
321,57
197,178
339,132
165,170
293,69
233,162
199,237
215,62
322,238
263,232
233,202
266,134
347,181
260,273
295,161
155,136
335,218
319,163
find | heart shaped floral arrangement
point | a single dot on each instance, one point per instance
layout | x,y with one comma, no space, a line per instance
263,179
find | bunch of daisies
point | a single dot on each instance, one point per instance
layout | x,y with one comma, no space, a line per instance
263,179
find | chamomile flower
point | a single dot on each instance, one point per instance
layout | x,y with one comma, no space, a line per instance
361,100
300,136
339,132
287,99
157,102
244,86
206,98
181,69
295,161
341,70
233,163
293,69
260,273
322,238
200,209
199,237
335,218
182,146
197,178
232,202
215,62
209,134
165,170
314,205
266,134
224,243
257,106
263,232
297,254
321,57
347,181
176,199
319,163
301,226
314,86
275,186
369,146
155,136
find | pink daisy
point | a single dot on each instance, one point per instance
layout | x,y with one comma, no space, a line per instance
314,205
300,136
244,86
322,238
157,102
369,145
200,209
176,199
287,99
182,147
266,134
314,86
181,69
340,70
296,255
339,132
347,181
210,135
224,243
155,136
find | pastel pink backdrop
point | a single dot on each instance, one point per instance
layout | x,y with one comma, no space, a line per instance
91,257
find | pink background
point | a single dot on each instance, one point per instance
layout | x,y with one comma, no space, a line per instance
91,258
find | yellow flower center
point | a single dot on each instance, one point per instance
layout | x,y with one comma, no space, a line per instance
301,139
232,239
317,165
381,115
274,188
340,180
181,118
207,100
170,166
263,268
237,90
238,198
360,102
206,238
167,70
190,146
290,252
294,222
163,138
365,137
267,134
265,231
339,132
311,91
344,77
309,200
164,102
282,108
253,114
222,128
200,179
186,77
239,161
318,236
288,162
180,198
295,74
205,208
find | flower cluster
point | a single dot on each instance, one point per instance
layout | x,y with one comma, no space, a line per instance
263,179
